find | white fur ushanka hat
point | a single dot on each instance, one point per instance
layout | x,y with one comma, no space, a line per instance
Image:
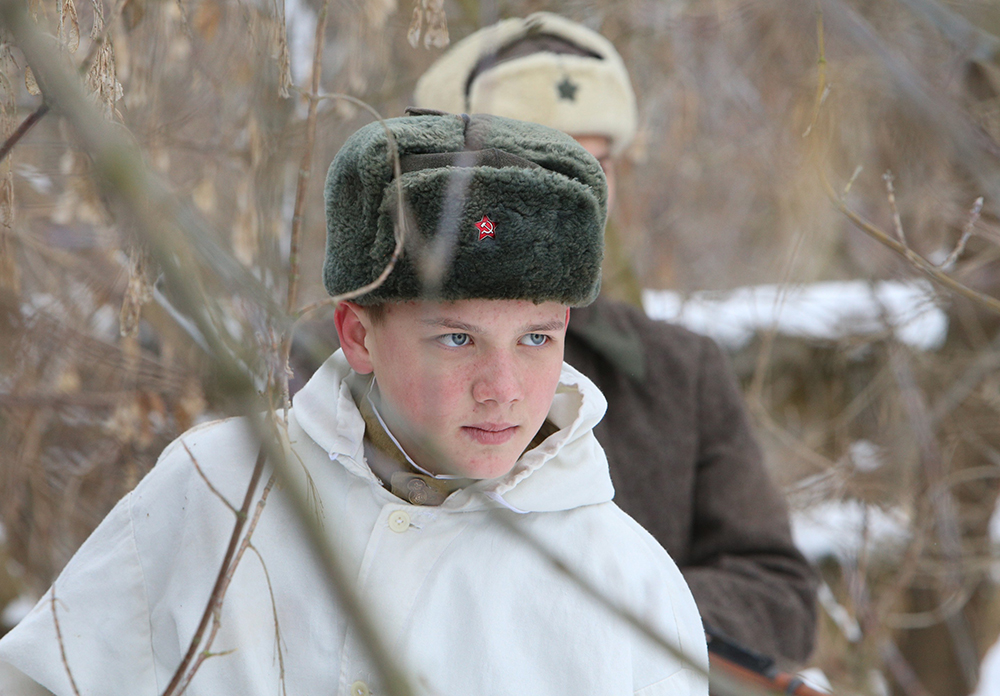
588,94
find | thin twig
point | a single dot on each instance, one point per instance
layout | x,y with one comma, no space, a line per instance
400,227
62,646
850,182
206,652
207,482
305,166
26,125
302,187
821,86
721,683
915,259
274,612
897,223
943,505
977,209
215,597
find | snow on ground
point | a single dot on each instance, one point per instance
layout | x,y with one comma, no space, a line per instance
841,529
819,311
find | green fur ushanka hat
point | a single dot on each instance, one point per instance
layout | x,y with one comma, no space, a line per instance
494,209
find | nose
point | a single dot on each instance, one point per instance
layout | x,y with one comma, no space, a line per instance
498,379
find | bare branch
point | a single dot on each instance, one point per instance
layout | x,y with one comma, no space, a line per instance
215,601
977,209
822,88
850,182
891,195
274,612
400,227
305,166
305,173
722,684
216,596
59,638
26,125
207,482
915,259
942,503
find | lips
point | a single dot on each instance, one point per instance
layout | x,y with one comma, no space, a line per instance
491,433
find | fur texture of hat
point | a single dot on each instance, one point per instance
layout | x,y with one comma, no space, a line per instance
494,209
586,94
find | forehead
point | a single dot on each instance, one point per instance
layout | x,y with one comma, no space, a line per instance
487,315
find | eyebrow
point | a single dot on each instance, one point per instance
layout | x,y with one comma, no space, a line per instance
446,323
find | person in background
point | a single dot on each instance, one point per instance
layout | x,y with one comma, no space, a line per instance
683,459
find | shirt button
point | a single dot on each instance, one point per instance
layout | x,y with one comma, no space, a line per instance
399,521
359,688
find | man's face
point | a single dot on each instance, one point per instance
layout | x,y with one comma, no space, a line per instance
600,147
466,385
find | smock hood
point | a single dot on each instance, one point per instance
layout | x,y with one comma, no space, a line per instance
567,470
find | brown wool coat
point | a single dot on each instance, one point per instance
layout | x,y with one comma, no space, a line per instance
686,466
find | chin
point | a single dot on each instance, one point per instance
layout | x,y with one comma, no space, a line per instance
489,467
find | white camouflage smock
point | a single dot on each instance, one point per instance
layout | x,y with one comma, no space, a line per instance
463,603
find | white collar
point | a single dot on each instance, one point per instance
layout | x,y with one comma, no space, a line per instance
566,471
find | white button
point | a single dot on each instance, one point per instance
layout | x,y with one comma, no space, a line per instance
359,688
399,521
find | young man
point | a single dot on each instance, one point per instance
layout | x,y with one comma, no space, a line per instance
682,455
446,428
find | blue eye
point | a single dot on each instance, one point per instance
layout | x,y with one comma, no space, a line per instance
534,339
455,340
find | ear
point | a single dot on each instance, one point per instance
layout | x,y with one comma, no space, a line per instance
353,326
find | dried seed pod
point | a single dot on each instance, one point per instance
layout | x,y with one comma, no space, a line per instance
30,84
431,13
437,24
416,24
69,26
98,28
137,293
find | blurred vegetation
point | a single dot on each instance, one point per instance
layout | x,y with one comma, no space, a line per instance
722,188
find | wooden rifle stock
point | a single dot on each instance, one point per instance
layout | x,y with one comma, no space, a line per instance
727,656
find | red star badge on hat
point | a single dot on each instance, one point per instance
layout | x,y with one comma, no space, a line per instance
486,228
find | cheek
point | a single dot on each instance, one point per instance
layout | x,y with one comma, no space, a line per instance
428,394
543,387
